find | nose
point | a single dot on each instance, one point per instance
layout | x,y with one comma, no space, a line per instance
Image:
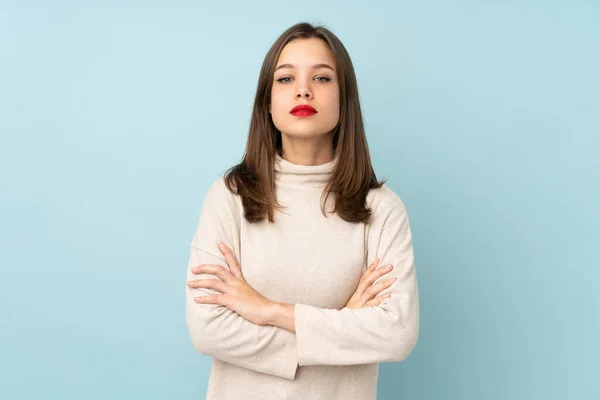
303,91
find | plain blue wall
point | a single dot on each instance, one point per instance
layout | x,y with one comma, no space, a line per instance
115,119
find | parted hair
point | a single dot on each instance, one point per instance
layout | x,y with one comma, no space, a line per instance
253,179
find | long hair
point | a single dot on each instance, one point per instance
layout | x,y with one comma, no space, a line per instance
254,177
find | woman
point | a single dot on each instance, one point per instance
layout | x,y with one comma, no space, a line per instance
287,306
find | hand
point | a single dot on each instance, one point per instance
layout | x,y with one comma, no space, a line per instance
237,294
364,296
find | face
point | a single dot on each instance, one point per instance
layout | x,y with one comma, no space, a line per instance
302,76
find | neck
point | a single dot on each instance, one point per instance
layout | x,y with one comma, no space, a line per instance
308,151
313,175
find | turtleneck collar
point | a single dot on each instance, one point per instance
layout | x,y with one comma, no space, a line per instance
288,172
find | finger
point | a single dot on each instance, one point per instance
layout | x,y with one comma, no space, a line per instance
210,299
379,287
363,282
214,284
377,300
380,272
368,278
373,265
215,269
234,266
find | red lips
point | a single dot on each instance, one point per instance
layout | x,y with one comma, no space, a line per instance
303,110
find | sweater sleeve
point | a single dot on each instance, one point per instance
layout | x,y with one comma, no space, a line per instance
215,330
383,333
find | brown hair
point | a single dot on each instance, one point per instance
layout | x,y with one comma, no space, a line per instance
254,177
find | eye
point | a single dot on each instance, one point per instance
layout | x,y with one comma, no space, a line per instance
322,79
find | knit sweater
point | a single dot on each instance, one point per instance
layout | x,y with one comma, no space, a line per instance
314,262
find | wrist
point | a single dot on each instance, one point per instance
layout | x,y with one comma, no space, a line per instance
282,315
273,312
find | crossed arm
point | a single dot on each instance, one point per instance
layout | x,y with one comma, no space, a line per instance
299,334
237,295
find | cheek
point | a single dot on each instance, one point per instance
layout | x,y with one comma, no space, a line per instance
278,103
279,108
333,102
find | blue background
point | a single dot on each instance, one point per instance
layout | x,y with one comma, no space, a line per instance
115,117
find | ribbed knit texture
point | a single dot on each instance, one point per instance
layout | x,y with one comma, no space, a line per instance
314,262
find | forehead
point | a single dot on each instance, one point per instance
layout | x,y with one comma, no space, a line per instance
306,52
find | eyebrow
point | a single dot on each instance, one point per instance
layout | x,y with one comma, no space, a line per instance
316,66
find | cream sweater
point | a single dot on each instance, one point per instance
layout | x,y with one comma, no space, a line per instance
315,263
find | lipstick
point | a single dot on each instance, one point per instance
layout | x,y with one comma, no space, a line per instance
303,110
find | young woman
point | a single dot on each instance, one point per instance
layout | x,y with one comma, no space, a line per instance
283,290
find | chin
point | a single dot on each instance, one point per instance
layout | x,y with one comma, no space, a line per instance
302,129
303,133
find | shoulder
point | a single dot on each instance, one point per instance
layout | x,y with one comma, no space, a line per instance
218,196
389,217
218,189
384,201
